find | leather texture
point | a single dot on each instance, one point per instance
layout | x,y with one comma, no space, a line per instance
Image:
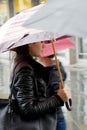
32,102
13,121
25,94
29,109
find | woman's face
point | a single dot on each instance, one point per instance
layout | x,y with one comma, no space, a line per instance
36,49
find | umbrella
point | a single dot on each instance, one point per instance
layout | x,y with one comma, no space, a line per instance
66,17
12,31
13,34
60,44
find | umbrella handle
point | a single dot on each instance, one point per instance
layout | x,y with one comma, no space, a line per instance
57,65
69,104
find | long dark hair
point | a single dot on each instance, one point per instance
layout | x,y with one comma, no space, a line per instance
21,53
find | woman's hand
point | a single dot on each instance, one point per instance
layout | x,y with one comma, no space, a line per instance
63,94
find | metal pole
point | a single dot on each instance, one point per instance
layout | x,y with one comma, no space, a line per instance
11,8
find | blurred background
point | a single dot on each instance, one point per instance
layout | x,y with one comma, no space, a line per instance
74,61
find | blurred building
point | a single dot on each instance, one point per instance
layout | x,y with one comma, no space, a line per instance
9,8
3,12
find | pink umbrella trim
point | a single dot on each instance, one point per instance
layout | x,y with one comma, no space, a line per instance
60,45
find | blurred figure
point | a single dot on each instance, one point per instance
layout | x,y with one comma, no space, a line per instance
54,84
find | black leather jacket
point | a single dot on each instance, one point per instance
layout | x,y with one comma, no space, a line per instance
30,91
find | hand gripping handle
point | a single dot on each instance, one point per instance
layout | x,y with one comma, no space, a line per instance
69,104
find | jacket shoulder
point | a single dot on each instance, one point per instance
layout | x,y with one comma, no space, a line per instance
23,67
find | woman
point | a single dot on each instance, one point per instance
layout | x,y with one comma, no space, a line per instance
53,85
30,88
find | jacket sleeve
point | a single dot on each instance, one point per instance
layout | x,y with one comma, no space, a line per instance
24,86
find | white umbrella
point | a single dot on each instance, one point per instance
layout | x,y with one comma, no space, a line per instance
12,32
68,17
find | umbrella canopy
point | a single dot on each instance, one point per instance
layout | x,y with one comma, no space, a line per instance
13,29
32,36
13,34
61,44
67,17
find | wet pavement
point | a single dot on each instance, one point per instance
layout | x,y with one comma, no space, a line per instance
77,82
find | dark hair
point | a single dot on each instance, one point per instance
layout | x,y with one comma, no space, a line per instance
22,50
22,53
